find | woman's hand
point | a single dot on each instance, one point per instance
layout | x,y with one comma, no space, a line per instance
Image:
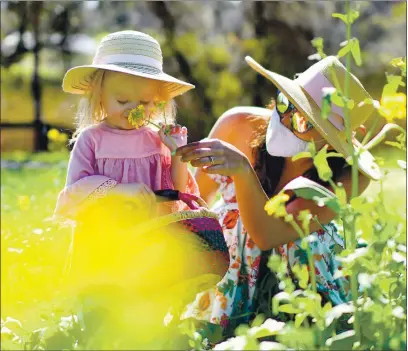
173,136
215,157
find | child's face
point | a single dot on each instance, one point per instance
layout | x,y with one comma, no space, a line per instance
123,92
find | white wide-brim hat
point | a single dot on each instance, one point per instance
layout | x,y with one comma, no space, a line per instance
127,52
306,93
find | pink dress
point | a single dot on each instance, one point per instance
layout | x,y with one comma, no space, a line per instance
103,157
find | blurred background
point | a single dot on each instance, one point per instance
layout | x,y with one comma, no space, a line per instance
203,42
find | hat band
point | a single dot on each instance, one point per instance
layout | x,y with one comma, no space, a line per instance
313,85
131,59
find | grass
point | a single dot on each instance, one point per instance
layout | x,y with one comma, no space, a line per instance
33,249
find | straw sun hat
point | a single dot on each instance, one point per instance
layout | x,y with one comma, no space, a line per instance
128,52
305,92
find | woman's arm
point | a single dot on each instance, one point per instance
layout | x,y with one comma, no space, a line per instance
238,118
266,231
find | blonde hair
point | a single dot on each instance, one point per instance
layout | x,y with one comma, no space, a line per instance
91,112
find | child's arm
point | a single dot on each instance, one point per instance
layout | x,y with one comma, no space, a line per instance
179,171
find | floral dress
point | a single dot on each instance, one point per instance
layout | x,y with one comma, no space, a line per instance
231,301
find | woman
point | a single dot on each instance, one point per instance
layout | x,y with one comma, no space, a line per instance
249,159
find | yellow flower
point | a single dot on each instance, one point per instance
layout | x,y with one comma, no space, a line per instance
276,205
161,104
394,106
63,137
53,134
137,117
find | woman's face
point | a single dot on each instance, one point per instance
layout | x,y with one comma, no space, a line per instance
122,93
295,121
309,135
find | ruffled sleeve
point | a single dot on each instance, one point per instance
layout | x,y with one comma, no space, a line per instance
82,182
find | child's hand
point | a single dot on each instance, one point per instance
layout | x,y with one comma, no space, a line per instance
173,136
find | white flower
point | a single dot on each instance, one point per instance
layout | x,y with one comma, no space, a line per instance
237,343
397,257
268,328
365,280
398,312
337,311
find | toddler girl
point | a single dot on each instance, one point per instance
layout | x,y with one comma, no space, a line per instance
111,155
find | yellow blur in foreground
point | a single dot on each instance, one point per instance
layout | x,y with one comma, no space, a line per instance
132,286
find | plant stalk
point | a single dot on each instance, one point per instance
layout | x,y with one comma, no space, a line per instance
354,174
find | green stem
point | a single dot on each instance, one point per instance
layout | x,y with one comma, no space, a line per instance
154,124
347,121
354,174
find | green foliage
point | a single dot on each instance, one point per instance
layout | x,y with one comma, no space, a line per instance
352,46
374,259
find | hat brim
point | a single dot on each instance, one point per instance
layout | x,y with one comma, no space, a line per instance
307,106
78,79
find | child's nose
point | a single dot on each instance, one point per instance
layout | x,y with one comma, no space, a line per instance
132,105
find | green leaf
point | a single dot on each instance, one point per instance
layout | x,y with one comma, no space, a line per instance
345,50
337,99
400,63
347,19
335,154
355,51
394,80
392,86
312,148
300,155
259,319
350,104
341,195
302,274
341,16
354,14
318,43
300,317
305,217
343,341
321,164
397,62
288,308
